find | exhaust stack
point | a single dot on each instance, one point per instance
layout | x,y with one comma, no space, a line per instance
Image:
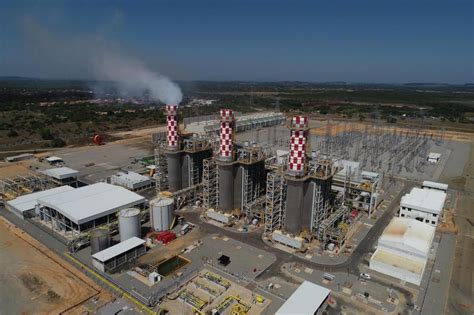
225,161
226,135
172,137
298,139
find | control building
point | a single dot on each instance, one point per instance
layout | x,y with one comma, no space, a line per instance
403,250
424,205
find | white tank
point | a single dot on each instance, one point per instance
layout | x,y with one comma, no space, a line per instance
161,213
129,223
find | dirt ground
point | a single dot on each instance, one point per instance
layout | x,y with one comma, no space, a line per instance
14,169
33,280
461,293
336,127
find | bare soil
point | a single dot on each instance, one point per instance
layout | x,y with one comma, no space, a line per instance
37,281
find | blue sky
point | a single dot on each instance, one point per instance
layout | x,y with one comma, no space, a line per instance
354,41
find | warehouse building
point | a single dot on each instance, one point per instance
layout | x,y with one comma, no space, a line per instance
118,255
434,157
424,205
62,175
20,157
434,185
244,123
24,206
403,250
54,160
81,209
131,180
308,299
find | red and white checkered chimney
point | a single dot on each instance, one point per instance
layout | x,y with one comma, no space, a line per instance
298,139
172,126
226,136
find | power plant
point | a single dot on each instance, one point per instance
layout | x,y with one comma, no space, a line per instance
278,177
242,180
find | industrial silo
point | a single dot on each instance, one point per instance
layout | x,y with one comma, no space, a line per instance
161,213
100,240
129,223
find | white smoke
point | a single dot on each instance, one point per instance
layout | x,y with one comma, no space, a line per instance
92,54
132,78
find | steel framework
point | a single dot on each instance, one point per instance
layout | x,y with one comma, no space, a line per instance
161,169
210,184
275,202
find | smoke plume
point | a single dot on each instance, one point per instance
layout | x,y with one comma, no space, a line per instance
132,78
95,57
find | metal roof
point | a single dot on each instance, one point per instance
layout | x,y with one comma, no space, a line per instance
408,235
427,200
306,300
61,172
129,177
390,258
28,202
54,159
91,202
434,155
243,120
435,185
118,249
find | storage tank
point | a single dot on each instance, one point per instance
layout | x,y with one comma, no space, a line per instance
100,240
161,213
129,224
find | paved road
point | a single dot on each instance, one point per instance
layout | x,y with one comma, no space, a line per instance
351,265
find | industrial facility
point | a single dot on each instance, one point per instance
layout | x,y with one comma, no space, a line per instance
423,204
159,235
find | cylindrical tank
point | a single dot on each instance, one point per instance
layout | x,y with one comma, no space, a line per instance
100,240
161,213
129,223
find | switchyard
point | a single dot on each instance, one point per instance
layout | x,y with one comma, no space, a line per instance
289,184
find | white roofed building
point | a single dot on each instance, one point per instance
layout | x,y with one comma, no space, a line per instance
434,157
24,206
434,185
54,160
131,180
86,207
62,175
113,257
308,299
424,205
243,123
403,250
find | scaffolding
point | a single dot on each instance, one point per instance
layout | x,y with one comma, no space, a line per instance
253,188
210,184
319,208
161,169
328,223
188,195
13,187
275,202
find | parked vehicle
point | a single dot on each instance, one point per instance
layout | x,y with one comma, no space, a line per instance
365,276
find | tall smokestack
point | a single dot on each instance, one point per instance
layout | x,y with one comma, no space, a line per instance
298,139
172,127
226,135
225,161
296,171
174,156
